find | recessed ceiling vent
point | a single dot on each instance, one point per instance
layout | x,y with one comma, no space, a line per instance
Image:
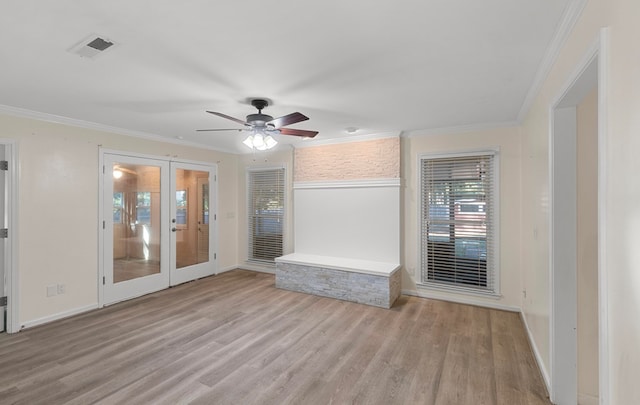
91,46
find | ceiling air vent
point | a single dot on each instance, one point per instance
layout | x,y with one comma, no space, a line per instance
91,46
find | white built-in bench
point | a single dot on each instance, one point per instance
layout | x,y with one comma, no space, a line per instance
362,281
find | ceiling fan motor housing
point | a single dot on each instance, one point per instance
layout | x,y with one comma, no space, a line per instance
259,120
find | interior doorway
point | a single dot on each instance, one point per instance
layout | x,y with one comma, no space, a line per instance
577,334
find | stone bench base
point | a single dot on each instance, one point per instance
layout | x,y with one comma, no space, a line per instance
371,283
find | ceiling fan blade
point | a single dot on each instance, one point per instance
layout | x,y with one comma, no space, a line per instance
220,129
298,132
288,119
228,117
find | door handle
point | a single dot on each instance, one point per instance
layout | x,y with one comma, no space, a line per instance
173,229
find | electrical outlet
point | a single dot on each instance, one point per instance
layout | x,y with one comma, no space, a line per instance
62,288
52,290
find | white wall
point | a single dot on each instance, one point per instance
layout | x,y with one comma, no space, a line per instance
620,237
351,222
58,209
508,142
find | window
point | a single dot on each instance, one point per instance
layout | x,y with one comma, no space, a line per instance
265,200
458,222
181,207
118,206
143,207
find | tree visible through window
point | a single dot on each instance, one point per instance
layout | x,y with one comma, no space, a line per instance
457,222
118,205
143,207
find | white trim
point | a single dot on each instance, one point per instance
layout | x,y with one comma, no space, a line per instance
536,353
570,17
348,139
562,259
604,72
395,182
101,216
12,273
459,129
257,267
456,289
584,399
341,263
170,159
59,315
58,119
495,151
259,168
597,53
228,268
460,300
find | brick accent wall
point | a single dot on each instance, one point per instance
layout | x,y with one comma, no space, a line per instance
374,159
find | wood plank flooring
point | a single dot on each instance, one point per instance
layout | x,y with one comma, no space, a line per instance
236,339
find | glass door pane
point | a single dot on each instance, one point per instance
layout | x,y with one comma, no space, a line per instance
135,198
191,222
136,221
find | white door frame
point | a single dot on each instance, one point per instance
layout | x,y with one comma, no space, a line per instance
178,276
111,291
593,70
101,207
11,243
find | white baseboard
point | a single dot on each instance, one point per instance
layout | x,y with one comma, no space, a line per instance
536,354
584,399
58,316
228,268
257,267
461,300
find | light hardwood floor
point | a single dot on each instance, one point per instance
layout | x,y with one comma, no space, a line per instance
236,339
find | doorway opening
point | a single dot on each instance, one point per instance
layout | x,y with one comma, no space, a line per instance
577,333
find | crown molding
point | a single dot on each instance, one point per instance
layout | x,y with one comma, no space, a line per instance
570,17
58,119
459,129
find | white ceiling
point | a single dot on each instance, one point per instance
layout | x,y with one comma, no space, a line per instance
376,65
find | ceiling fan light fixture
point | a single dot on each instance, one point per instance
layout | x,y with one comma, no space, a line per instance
260,142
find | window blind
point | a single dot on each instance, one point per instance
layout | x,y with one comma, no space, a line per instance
265,198
457,228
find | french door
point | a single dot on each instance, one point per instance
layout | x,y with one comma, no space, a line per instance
192,250
156,225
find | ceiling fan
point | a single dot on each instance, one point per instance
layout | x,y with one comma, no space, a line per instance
262,126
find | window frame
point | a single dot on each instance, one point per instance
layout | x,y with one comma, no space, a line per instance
495,291
284,222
